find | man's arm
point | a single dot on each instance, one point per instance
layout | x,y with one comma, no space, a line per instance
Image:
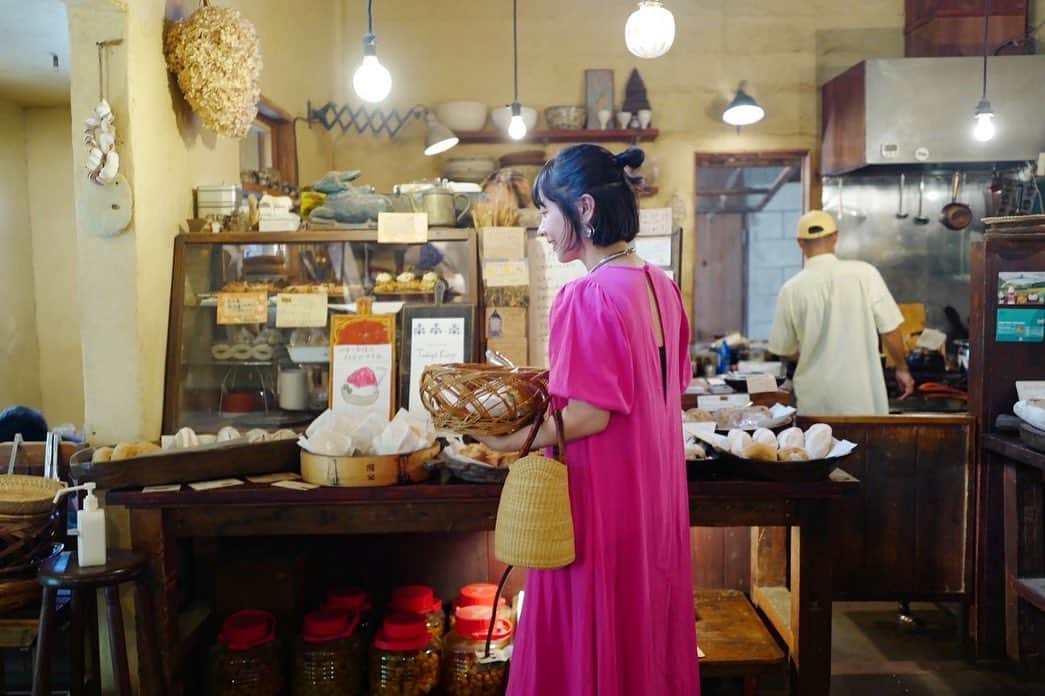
893,343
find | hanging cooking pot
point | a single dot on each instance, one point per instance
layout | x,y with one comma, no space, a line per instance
955,215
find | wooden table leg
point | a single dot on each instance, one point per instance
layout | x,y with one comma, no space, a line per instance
150,669
93,674
151,535
811,579
42,668
76,638
117,641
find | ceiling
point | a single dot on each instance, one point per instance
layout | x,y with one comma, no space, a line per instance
32,30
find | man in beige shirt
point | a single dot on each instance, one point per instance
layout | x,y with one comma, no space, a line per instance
829,318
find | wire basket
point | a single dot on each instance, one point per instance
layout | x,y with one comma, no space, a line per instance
480,399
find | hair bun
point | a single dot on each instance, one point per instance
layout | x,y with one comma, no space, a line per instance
632,157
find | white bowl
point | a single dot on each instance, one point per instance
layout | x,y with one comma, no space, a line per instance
461,115
502,115
474,169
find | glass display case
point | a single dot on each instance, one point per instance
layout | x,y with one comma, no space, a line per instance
234,359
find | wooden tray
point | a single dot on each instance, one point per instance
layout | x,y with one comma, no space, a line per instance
756,469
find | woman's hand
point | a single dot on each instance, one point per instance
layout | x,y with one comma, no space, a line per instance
580,420
505,443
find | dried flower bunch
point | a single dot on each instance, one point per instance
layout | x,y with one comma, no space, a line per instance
216,56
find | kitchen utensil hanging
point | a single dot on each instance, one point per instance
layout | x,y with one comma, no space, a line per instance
920,218
901,214
955,215
842,212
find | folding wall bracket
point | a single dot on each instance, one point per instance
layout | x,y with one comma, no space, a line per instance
362,119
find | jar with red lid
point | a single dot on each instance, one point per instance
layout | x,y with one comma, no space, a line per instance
482,594
468,669
357,601
420,599
246,659
404,660
327,661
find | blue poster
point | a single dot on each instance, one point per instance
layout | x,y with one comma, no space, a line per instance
1020,326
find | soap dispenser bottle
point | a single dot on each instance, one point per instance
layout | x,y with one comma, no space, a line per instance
90,527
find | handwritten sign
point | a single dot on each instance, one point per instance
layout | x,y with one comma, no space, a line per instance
435,341
402,228
243,307
362,364
304,309
716,402
760,384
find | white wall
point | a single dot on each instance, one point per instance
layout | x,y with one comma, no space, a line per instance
19,361
51,216
772,256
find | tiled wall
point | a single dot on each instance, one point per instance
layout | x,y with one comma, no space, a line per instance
772,256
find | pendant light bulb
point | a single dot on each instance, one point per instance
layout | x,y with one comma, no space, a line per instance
516,127
984,129
650,30
372,81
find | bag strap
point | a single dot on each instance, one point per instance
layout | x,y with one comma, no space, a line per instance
560,432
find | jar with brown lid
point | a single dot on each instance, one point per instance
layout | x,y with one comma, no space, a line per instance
246,660
404,660
468,669
327,661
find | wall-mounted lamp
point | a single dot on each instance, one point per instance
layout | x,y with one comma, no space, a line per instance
743,110
438,138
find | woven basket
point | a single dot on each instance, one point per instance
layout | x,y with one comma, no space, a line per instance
27,495
479,399
24,539
17,593
534,519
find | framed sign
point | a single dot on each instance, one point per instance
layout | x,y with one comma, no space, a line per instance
432,336
598,90
362,364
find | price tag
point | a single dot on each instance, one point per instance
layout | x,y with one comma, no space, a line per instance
243,307
402,228
716,402
304,309
759,384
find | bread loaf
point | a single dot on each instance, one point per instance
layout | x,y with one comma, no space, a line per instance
761,451
102,454
792,454
819,441
738,441
765,436
792,437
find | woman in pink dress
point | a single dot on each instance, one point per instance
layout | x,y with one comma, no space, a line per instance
619,621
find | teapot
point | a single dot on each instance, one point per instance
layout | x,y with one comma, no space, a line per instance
444,207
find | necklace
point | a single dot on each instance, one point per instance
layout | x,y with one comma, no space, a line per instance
609,257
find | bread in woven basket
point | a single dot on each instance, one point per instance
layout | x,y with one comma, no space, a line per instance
480,399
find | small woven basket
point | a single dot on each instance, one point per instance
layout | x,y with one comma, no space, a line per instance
27,495
480,399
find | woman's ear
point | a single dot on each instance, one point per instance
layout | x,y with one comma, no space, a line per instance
586,208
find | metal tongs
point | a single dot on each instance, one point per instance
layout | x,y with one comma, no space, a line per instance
51,450
492,356
14,453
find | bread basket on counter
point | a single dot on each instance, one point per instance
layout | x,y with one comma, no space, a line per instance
481,399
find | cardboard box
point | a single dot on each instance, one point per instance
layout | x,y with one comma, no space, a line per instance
502,243
509,322
515,349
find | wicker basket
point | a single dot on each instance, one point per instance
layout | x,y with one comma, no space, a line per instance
479,399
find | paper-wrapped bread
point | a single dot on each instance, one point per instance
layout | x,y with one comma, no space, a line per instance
792,454
765,436
697,415
819,441
738,440
792,437
762,451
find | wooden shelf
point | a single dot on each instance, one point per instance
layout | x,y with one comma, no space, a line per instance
1032,590
1014,448
579,135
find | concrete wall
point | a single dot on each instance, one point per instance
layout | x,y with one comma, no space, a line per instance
19,347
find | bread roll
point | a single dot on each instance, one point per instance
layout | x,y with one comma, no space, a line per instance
792,437
761,451
764,436
819,441
698,415
228,433
793,454
696,451
102,454
130,450
738,440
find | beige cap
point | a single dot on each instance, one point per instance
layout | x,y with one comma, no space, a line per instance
816,224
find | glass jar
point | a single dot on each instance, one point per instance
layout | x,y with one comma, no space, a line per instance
468,670
405,658
246,660
357,601
420,599
327,661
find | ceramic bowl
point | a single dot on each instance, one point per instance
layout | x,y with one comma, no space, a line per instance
474,169
502,115
461,115
566,117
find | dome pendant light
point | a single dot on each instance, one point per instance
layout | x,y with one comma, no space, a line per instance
372,81
516,127
650,30
984,114
743,110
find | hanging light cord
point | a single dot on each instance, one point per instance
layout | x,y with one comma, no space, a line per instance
515,44
986,19
370,16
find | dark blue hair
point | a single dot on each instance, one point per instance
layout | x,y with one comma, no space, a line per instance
22,419
593,170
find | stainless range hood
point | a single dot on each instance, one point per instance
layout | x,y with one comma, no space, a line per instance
908,111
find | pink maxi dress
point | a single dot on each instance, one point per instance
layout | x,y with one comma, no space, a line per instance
619,621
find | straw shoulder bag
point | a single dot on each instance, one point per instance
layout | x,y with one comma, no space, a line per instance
534,526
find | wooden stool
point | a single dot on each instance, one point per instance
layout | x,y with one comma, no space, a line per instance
63,572
733,638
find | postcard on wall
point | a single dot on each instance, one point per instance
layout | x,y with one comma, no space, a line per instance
1020,326
362,364
432,336
1021,288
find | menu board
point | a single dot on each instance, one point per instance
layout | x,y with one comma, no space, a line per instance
432,336
362,364
547,276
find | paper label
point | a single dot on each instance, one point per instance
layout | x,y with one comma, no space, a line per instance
295,485
273,478
211,485
243,307
499,274
654,221
304,309
715,402
932,339
1030,390
402,228
656,250
504,243
169,488
1020,326
760,384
